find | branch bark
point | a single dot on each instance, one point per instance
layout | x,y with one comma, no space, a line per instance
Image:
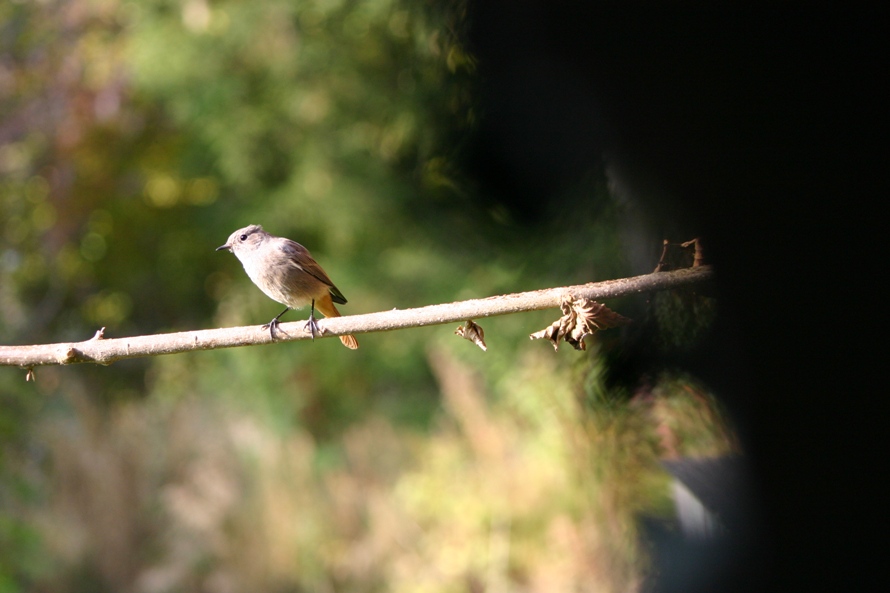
101,350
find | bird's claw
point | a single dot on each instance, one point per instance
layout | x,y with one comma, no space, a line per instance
271,326
312,326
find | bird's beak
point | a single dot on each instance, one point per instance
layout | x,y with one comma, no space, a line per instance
226,246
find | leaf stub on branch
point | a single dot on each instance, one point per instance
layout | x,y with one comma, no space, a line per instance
472,331
581,317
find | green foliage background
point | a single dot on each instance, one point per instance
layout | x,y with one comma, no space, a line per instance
134,137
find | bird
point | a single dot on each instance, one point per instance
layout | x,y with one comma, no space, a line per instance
287,273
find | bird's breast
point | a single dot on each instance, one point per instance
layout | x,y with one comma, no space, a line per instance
283,282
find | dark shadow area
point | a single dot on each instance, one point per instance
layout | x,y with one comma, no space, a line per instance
756,130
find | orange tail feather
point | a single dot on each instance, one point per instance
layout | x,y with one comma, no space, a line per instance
326,307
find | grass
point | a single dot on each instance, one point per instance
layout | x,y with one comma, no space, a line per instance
531,483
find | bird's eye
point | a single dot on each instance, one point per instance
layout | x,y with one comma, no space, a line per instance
243,237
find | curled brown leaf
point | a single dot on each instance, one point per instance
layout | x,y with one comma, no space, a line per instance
581,317
472,331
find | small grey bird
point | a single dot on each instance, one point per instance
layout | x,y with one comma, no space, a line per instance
286,272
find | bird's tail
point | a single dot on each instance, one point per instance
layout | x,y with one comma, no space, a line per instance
326,307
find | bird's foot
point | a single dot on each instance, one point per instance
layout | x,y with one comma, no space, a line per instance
271,326
311,324
312,327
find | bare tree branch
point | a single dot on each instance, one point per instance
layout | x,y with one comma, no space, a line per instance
104,351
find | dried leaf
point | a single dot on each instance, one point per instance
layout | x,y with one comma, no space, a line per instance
473,332
592,317
559,328
548,333
581,317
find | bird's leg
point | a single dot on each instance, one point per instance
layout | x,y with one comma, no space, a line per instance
313,327
273,325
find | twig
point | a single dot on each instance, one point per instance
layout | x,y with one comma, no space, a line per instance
699,259
662,261
101,350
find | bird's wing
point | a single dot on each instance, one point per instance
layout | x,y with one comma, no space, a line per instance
302,259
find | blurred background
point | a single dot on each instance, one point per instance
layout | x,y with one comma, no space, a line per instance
422,159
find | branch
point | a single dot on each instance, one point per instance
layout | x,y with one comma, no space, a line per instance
104,351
